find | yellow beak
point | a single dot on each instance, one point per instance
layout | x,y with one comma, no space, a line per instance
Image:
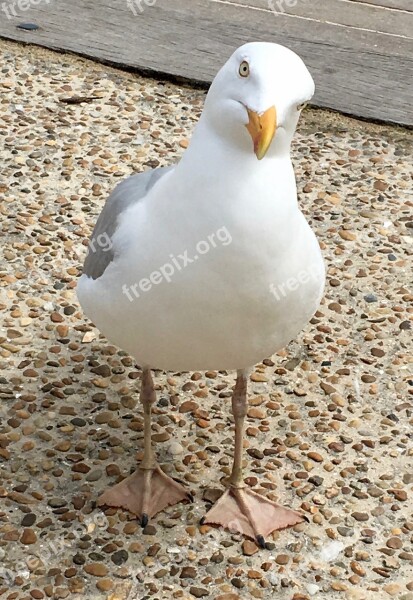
262,129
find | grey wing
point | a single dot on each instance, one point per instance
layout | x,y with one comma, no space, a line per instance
127,193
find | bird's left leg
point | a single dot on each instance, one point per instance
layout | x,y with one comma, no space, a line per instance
240,509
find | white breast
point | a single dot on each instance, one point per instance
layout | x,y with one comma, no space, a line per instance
257,279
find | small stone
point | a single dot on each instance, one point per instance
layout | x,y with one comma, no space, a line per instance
393,589
188,406
395,543
217,557
161,573
380,185
331,551
119,557
154,549
339,586
249,548
256,413
105,585
315,456
96,569
316,480
175,448
28,520
101,382
258,378
149,530
357,568
188,573
406,556
198,592
57,502
102,371
94,475
347,235
136,548
88,337
56,317
400,495
359,516
161,437
28,537
345,531
375,492
254,574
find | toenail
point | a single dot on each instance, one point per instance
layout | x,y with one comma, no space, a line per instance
144,520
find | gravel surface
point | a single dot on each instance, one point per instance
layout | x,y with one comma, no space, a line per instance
330,422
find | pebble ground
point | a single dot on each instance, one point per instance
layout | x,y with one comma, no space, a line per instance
330,420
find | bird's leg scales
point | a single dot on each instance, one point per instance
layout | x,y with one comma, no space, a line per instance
240,509
148,490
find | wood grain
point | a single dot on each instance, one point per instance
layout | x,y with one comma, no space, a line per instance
358,72
394,4
357,15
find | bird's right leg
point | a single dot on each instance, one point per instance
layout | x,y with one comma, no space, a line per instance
148,490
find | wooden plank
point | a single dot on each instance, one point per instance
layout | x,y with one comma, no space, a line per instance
406,5
347,13
360,73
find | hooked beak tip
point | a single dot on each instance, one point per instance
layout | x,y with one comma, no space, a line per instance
262,128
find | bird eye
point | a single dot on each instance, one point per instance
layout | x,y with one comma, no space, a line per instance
302,106
244,69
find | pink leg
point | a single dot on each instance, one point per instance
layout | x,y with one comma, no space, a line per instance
240,509
148,490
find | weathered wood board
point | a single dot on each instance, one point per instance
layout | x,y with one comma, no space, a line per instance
347,13
360,53
394,4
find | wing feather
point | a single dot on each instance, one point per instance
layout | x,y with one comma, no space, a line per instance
127,193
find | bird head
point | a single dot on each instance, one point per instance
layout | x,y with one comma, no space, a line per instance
256,98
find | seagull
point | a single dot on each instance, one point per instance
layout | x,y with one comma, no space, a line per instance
209,264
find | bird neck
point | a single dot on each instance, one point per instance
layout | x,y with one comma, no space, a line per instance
213,155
